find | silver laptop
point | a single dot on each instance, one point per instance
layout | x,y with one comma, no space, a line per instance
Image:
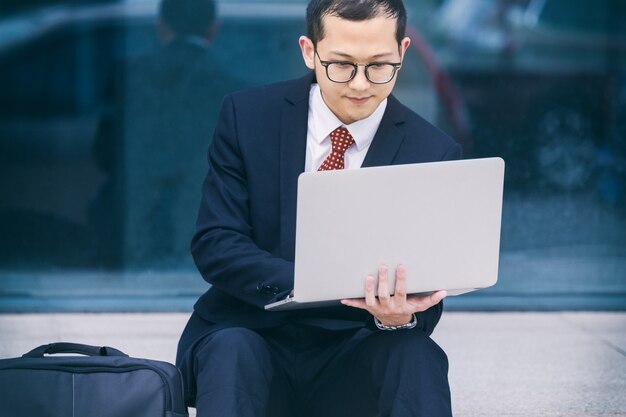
440,219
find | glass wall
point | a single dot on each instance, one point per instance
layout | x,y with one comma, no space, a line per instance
104,130
543,85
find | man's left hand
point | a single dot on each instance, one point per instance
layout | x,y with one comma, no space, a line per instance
396,309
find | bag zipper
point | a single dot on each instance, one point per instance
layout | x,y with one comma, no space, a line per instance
106,368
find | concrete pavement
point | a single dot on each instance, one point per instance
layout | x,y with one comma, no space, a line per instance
569,364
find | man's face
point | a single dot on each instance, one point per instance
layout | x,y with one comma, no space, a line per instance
361,42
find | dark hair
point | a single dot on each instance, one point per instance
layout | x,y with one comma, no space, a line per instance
354,10
188,17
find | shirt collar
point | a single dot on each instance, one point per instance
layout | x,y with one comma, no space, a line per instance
325,121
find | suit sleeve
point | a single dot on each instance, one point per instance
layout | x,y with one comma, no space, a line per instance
223,248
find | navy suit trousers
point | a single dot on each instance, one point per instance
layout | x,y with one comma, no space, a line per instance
297,370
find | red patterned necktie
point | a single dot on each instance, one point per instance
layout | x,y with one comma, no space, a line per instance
341,140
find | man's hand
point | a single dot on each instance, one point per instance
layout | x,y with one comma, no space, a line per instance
396,309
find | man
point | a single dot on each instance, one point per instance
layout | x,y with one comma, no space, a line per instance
165,107
370,357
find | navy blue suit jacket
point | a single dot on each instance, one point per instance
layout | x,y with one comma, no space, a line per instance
245,240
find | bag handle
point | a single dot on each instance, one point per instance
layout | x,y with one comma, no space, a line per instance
63,347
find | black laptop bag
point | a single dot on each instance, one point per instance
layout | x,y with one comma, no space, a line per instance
103,383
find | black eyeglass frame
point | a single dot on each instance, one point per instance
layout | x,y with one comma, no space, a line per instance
325,64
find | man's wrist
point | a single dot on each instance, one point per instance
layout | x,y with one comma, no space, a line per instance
411,324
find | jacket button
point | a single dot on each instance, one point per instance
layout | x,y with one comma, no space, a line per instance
267,289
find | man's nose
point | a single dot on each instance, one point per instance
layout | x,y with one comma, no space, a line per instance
360,81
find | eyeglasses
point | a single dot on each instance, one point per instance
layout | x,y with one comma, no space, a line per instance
345,71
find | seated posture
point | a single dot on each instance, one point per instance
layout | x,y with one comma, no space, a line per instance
367,357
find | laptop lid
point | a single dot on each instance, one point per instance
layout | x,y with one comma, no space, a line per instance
441,220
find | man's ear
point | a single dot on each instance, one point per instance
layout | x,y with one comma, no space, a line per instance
404,46
308,51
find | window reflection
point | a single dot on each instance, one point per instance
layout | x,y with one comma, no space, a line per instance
543,85
104,127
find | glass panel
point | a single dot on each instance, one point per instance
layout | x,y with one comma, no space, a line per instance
548,98
103,134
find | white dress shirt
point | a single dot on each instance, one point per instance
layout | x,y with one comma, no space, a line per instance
322,121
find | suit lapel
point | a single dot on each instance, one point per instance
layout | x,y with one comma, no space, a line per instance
293,132
388,138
